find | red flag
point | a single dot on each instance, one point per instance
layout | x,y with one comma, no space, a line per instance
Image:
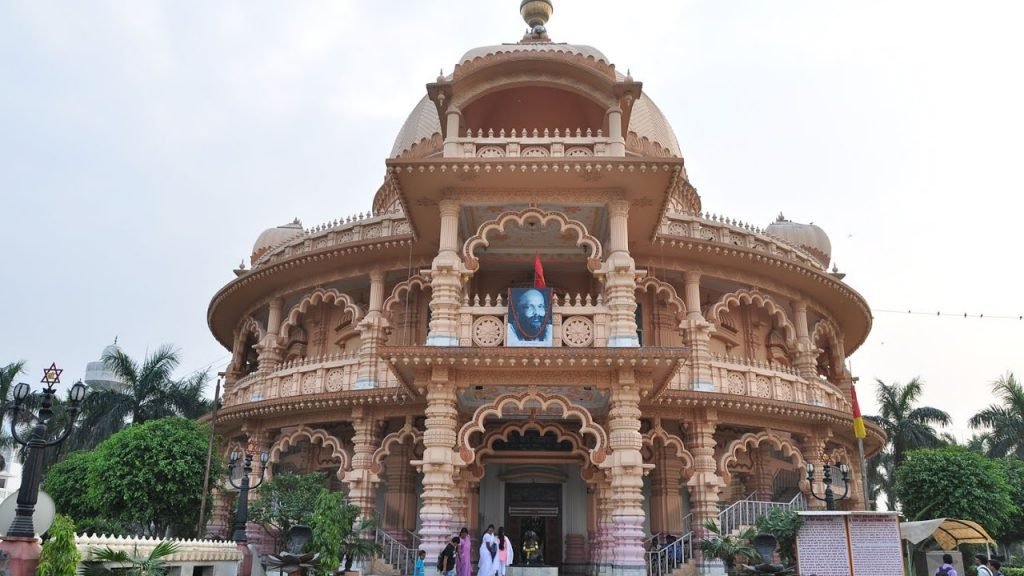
538,273
858,421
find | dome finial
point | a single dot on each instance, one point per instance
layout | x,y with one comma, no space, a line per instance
536,13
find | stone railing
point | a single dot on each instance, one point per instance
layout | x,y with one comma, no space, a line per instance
714,228
350,230
216,558
577,321
308,376
554,143
772,381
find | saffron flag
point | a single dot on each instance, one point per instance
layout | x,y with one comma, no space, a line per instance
538,273
858,421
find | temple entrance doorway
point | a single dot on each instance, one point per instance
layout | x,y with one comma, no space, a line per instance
537,508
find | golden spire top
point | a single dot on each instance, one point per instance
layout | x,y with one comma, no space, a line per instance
536,13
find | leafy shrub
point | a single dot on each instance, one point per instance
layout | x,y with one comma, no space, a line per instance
59,557
783,524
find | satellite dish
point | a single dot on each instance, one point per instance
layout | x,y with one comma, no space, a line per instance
42,518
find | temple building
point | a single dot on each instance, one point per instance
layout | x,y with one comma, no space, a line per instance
536,326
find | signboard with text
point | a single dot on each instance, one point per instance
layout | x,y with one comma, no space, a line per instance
850,544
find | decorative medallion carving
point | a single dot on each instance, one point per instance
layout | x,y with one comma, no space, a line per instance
335,380
534,152
490,152
763,387
578,332
736,384
488,331
309,383
576,151
785,391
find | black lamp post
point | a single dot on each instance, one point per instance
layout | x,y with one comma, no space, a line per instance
242,513
28,494
829,498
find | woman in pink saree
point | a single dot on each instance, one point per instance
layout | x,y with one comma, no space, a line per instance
464,563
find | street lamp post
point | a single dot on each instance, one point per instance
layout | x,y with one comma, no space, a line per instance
242,512
20,541
826,478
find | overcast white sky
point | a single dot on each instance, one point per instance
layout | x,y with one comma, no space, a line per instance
144,146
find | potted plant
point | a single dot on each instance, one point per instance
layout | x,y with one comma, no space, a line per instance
727,547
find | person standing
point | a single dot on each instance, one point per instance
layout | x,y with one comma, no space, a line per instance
446,563
488,553
996,566
464,560
421,560
981,561
505,554
947,568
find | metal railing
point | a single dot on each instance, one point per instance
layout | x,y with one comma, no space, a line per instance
746,512
663,558
395,553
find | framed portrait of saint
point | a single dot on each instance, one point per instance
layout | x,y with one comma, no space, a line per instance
529,317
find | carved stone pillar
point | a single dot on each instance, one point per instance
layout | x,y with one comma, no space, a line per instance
219,524
697,333
627,471
438,464
270,349
460,501
811,448
400,497
762,474
259,442
445,281
361,480
602,555
451,146
805,356
704,484
618,143
620,280
372,333
666,502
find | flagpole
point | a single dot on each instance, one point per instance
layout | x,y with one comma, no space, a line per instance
863,473
859,432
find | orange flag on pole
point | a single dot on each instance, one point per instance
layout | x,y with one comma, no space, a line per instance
858,421
538,273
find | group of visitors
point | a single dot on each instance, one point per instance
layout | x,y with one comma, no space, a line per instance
985,566
455,560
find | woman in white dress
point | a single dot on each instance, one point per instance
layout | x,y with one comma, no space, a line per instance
505,554
488,565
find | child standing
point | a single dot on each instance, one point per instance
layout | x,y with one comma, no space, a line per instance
421,567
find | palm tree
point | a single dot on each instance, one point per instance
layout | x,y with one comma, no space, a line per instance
134,564
907,427
7,375
149,393
881,478
1005,420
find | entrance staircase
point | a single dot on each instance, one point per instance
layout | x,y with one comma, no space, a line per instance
398,556
674,558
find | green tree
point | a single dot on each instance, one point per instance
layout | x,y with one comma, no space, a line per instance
149,393
907,426
881,477
783,524
286,500
356,537
151,476
327,524
1004,420
64,483
8,374
59,557
953,482
153,564
1013,471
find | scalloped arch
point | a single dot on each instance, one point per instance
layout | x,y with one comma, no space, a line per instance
397,438
401,289
251,326
662,288
587,425
756,298
578,448
749,440
315,436
672,441
827,329
329,296
583,237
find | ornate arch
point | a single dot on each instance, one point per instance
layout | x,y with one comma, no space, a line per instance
662,288
320,295
315,436
588,427
579,450
401,289
749,440
250,326
593,89
755,298
583,238
406,433
669,441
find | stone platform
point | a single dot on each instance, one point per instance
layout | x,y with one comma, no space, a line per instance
531,571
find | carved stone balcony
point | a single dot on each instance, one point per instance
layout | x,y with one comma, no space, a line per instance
554,143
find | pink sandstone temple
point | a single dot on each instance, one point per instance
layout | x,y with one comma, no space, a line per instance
686,366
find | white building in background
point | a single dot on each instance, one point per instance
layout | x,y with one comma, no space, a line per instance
98,376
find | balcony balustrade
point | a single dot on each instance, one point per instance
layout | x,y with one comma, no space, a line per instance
538,143
577,321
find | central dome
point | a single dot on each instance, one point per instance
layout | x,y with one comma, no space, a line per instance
648,128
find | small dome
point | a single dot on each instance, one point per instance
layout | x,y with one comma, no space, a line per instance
98,376
272,237
806,236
